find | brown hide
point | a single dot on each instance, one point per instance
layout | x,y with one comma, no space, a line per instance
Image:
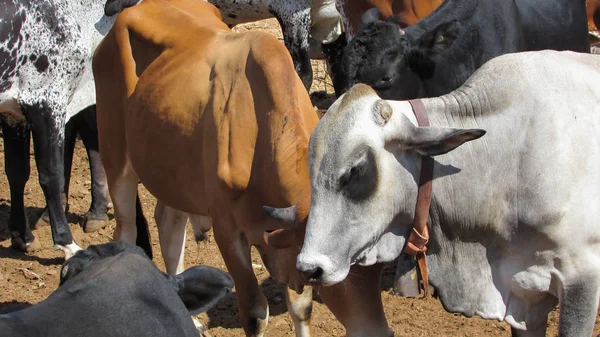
593,14
216,124
213,123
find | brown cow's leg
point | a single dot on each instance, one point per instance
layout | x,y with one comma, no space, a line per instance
300,308
123,192
254,309
171,235
356,302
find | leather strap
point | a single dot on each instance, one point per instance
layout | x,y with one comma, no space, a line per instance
419,236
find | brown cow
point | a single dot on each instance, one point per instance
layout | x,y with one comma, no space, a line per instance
217,124
593,14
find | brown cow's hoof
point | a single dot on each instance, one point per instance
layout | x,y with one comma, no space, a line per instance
93,223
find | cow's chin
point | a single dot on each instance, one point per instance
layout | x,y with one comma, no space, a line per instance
387,249
335,277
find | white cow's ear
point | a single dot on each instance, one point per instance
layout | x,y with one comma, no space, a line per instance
429,141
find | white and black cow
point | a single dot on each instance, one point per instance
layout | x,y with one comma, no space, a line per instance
45,78
115,290
513,221
298,19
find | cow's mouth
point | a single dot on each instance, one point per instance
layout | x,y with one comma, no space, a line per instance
361,258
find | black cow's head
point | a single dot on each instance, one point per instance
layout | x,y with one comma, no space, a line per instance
394,62
199,287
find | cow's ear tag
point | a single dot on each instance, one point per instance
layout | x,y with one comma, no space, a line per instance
406,280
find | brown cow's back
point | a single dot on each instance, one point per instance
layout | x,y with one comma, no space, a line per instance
217,123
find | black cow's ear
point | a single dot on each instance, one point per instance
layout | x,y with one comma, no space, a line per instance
420,63
202,287
432,43
369,16
440,38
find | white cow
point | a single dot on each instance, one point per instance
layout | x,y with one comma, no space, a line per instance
514,216
46,78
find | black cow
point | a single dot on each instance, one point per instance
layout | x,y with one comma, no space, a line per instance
438,54
45,79
114,289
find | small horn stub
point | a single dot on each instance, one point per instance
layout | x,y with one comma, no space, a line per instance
286,216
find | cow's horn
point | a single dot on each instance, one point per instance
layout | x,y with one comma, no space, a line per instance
286,216
384,110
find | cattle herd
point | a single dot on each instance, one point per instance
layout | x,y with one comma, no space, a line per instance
464,143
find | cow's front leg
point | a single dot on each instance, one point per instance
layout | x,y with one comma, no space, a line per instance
294,18
362,313
96,217
48,143
16,164
254,309
579,303
300,308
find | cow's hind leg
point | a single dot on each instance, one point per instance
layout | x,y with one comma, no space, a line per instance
16,165
48,145
578,307
69,148
123,192
294,19
300,308
97,216
254,309
171,234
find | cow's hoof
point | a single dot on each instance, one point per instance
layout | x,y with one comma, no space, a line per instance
202,330
19,244
69,249
4,234
92,223
45,217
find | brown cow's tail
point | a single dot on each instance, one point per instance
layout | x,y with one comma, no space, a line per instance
141,224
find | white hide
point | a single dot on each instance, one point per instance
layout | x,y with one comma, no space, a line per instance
66,33
514,215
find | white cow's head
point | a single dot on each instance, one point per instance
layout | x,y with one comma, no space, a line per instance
365,159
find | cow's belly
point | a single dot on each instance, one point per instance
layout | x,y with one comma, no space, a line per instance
167,158
170,165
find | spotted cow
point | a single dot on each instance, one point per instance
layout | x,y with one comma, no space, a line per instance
45,79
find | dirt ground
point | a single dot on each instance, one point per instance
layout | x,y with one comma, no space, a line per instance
28,279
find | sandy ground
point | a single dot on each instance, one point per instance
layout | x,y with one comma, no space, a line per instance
26,279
